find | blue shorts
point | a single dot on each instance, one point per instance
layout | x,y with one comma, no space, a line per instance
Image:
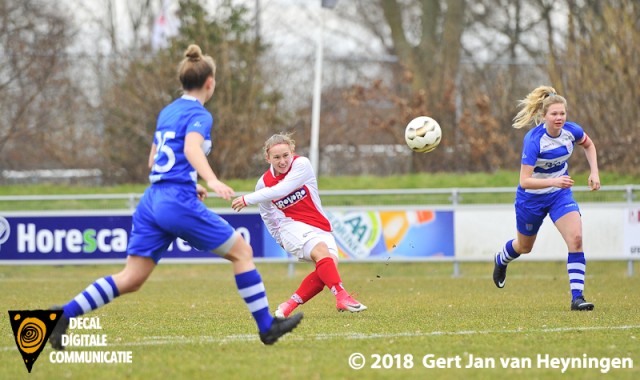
531,212
170,211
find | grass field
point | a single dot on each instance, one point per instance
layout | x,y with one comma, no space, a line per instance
188,322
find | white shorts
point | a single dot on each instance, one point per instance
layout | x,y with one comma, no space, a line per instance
299,239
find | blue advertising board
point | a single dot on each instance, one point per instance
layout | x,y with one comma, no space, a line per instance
96,238
103,238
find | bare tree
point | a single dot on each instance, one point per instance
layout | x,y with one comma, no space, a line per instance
68,99
501,49
245,111
436,75
426,37
41,100
600,73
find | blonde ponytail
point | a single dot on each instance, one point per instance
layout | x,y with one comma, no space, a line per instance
535,105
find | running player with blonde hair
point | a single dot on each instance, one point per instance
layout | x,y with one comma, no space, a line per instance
545,186
289,204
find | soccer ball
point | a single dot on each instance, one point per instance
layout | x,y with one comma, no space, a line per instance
423,134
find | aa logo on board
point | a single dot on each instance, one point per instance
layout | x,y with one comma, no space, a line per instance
31,329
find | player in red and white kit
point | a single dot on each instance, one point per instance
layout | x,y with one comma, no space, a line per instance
287,196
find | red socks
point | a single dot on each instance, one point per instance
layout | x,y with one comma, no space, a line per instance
309,288
328,273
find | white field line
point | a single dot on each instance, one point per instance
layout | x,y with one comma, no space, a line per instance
173,340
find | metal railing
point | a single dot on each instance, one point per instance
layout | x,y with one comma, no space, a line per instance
383,198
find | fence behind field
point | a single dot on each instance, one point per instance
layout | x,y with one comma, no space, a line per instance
330,198
483,218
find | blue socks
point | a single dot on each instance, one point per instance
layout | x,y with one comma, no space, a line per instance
252,290
98,294
576,267
104,290
507,254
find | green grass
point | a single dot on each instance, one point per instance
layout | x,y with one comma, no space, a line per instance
188,322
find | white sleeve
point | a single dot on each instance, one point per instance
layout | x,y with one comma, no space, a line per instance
301,172
271,219
269,214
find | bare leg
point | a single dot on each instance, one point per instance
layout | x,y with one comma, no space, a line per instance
570,227
523,244
134,274
512,250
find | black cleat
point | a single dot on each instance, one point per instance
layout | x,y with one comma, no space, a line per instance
580,304
499,272
280,327
61,329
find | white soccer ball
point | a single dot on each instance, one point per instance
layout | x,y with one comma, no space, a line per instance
423,134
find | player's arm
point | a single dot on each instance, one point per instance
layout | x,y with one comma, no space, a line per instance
239,203
201,192
528,182
592,159
197,159
301,172
152,154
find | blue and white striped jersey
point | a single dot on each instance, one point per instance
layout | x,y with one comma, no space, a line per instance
549,155
175,121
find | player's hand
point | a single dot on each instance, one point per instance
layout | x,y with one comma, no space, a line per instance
238,204
564,182
224,191
594,182
201,191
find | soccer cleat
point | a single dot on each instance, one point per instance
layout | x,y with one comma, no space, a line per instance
61,329
344,302
499,272
580,304
279,327
285,308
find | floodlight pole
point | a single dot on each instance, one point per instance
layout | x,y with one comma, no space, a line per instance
314,156
317,94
